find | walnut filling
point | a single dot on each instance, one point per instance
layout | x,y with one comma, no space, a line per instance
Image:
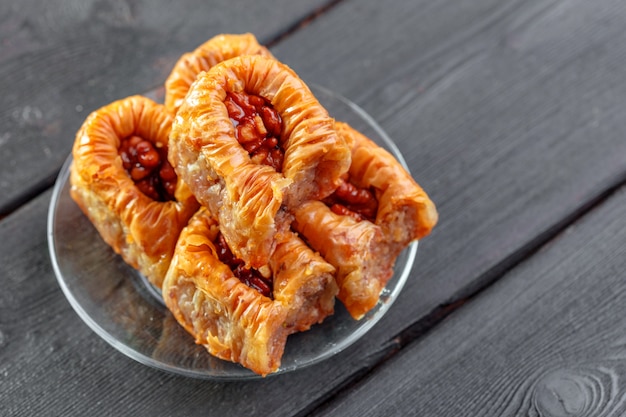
350,200
249,276
257,128
149,168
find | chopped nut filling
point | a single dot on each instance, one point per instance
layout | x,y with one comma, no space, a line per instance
350,200
249,276
149,168
257,128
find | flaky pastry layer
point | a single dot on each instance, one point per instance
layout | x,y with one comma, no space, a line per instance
356,248
246,196
204,57
233,321
364,252
405,212
141,230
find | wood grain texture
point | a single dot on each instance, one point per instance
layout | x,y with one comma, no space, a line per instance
61,59
545,340
509,113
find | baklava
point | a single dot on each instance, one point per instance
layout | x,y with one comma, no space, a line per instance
122,180
236,312
361,228
252,141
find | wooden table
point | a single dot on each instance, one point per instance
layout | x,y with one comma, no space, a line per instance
510,113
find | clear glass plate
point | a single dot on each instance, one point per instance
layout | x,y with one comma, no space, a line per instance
120,306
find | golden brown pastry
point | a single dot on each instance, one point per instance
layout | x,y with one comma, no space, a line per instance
236,313
251,139
122,181
215,50
405,212
365,224
356,248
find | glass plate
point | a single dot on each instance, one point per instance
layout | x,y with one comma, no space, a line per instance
120,306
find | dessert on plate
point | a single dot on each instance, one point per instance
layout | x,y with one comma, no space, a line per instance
245,201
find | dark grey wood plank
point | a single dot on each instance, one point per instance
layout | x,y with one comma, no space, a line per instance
61,59
499,134
545,340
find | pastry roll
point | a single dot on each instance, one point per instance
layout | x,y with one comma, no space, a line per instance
365,224
356,248
405,212
215,50
122,181
236,313
251,141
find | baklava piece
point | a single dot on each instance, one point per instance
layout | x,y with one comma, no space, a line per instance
365,224
252,141
234,311
122,180
212,52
